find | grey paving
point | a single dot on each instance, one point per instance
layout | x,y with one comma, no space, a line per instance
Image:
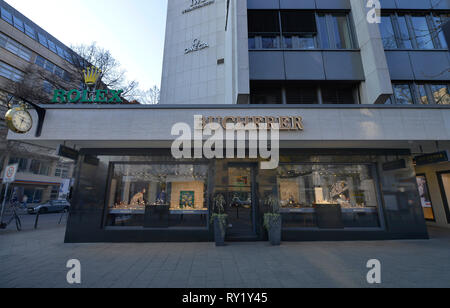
38,258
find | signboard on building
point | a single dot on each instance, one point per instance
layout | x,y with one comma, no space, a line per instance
394,165
434,158
67,152
10,173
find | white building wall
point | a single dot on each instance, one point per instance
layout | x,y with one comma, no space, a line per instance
196,77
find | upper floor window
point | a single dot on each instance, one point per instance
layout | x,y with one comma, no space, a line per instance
14,47
420,93
298,30
10,72
52,68
22,162
413,31
295,93
7,16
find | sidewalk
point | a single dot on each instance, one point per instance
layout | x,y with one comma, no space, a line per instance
38,259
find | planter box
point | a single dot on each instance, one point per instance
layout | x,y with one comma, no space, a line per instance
219,232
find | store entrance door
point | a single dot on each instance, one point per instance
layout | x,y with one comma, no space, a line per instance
241,206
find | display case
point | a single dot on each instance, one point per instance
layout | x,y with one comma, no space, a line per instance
158,195
327,196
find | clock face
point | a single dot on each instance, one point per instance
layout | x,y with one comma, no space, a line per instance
19,121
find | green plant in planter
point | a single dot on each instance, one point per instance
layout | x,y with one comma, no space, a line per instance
272,220
219,219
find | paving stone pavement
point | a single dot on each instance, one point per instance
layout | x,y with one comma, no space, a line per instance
38,259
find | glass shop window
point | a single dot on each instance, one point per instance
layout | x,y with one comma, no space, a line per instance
158,196
328,196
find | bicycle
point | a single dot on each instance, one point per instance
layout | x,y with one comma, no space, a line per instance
14,216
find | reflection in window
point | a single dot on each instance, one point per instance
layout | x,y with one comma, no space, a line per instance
155,195
387,33
423,94
328,196
269,42
405,37
439,21
251,42
323,30
441,94
403,94
342,32
422,32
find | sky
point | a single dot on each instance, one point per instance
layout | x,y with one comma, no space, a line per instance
132,30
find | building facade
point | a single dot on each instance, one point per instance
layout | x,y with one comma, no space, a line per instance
360,106
31,62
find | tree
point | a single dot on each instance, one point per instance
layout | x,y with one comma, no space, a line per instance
151,96
112,75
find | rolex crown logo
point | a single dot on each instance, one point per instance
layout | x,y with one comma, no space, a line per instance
91,75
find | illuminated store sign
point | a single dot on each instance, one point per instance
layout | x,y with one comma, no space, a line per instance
197,4
286,123
435,158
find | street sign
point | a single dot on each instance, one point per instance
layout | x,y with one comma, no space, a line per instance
10,173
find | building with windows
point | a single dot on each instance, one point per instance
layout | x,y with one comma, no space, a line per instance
31,58
364,117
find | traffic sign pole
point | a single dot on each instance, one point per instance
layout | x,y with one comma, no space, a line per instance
4,202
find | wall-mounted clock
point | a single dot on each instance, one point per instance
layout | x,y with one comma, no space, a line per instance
19,120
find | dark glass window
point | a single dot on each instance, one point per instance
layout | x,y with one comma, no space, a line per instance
266,95
269,42
338,95
263,22
298,22
52,46
423,94
301,95
23,163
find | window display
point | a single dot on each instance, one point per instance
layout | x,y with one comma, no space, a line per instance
304,189
140,193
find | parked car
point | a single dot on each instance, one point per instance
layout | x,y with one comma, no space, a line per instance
52,206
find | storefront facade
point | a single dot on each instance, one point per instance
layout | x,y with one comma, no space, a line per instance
355,109
130,188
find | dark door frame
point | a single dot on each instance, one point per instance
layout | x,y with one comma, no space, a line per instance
255,204
443,194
